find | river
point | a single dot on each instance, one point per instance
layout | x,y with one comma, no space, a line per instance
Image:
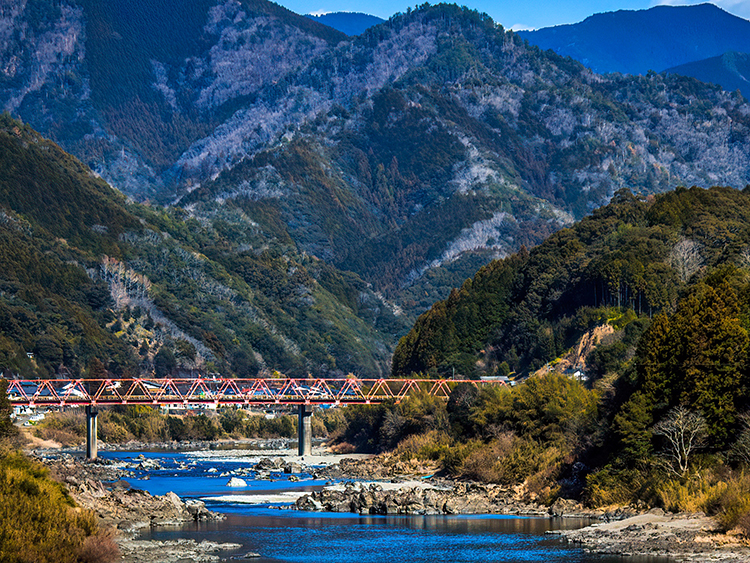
293,536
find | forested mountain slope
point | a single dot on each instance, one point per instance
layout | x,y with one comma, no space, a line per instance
90,282
128,86
410,155
486,145
627,262
657,411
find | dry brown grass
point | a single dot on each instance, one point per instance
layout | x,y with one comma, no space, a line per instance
343,448
100,548
734,504
67,429
693,495
483,464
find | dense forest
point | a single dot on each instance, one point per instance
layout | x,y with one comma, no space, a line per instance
623,265
657,411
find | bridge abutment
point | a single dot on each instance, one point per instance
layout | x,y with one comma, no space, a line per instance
91,438
304,430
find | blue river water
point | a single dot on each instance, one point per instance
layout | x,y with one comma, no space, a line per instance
305,537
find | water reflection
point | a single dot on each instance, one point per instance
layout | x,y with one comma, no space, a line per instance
302,537
346,538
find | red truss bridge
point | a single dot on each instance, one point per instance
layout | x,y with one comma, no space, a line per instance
216,392
221,391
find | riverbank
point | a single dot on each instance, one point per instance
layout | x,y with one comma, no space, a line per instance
684,537
100,487
427,498
616,531
405,489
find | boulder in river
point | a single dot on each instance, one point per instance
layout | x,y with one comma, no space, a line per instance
236,482
268,464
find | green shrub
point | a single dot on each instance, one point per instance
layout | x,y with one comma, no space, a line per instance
510,460
455,457
552,408
431,445
612,486
6,425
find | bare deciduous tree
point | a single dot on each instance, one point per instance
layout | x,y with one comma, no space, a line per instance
741,448
686,258
685,432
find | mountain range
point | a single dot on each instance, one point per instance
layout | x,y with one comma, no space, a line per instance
637,41
731,70
351,23
389,166
701,41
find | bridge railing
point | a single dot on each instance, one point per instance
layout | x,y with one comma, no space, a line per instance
221,391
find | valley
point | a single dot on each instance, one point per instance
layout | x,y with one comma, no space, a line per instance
227,189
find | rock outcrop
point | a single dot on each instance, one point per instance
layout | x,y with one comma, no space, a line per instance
129,509
173,551
462,498
99,487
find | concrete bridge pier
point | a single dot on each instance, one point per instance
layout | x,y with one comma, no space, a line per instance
91,443
304,430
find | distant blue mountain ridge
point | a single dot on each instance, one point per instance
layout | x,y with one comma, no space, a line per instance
660,38
731,70
351,23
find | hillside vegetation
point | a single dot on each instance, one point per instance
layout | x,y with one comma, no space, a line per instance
623,265
662,416
410,155
40,522
91,284
487,145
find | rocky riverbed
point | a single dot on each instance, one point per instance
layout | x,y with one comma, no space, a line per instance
99,486
175,551
620,531
403,488
684,537
426,498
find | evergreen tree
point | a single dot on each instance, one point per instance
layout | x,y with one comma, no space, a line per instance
632,426
6,425
697,357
